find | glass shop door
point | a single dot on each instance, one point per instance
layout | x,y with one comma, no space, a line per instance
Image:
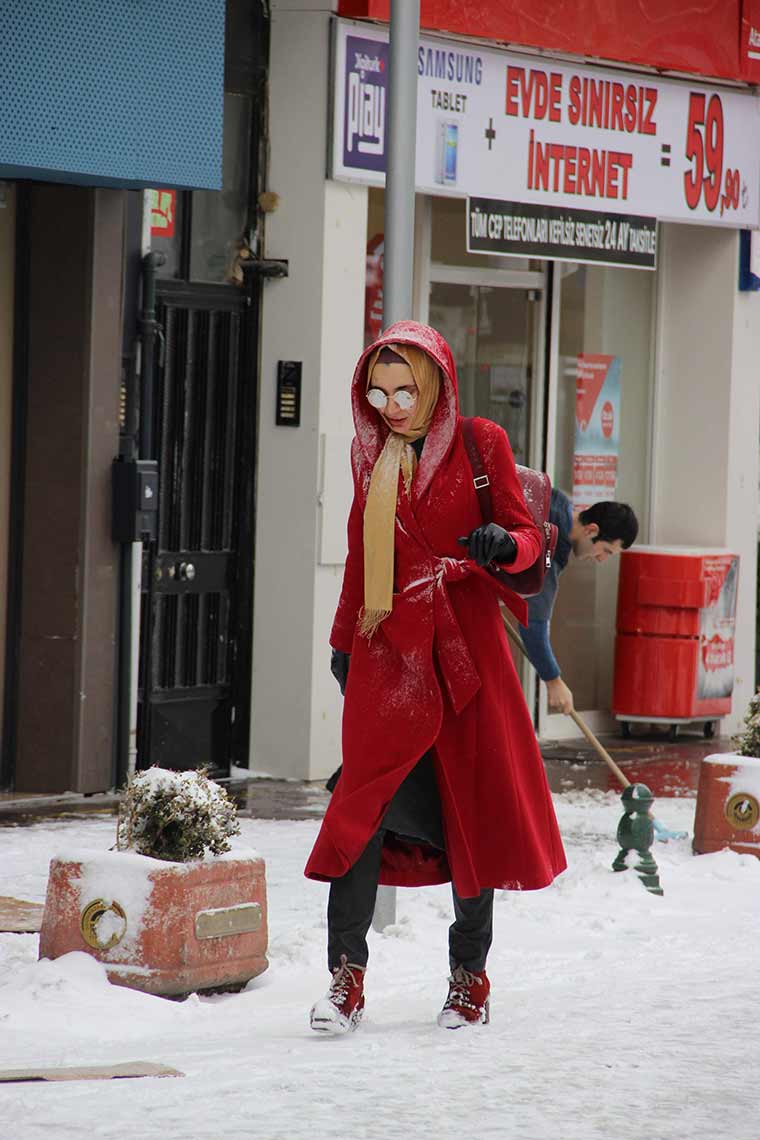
494,322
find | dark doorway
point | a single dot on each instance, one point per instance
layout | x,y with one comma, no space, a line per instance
198,576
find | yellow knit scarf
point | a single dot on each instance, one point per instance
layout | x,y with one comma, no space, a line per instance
380,510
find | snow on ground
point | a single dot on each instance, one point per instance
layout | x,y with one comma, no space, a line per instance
614,1013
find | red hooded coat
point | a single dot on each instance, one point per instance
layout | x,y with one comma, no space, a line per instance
438,674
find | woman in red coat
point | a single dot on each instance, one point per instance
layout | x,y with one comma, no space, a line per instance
442,778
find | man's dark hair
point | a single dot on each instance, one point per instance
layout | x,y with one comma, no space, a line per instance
615,520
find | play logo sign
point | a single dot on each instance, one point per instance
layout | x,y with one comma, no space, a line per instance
365,119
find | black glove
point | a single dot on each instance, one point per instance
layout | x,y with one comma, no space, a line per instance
490,543
339,662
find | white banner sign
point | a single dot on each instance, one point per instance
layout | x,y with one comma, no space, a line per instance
525,129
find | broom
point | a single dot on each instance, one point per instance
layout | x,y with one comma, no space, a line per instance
662,832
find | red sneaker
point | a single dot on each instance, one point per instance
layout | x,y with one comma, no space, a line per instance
467,1003
340,1010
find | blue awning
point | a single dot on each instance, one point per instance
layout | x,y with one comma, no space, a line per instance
113,92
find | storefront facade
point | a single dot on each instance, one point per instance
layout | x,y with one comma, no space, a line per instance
577,242
100,100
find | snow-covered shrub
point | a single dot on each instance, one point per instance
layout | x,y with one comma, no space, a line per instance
748,740
176,816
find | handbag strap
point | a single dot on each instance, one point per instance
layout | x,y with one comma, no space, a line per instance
479,476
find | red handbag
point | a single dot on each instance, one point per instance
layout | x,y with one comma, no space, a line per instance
537,491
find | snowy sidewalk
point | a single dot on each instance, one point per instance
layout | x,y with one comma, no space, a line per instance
615,1014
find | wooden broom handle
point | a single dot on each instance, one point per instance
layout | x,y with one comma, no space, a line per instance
516,640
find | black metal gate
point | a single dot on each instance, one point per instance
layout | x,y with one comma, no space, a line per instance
197,578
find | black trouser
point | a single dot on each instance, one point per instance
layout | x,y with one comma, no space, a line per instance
352,903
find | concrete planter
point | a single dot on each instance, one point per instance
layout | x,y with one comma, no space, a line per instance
164,928
728,804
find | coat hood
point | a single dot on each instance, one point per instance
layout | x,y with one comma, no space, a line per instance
371,430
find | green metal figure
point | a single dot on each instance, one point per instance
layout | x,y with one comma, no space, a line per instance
636,833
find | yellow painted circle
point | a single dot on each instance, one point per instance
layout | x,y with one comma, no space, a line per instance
91,916
743,811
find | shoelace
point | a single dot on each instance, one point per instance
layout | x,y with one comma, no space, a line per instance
461,981
344,977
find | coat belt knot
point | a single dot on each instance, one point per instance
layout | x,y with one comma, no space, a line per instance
451,569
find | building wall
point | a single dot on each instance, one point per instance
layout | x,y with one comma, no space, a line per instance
703,451
314,316
7,276
342,343
705,447
741,482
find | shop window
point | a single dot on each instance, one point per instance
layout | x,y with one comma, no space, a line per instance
449,240
491,333
490,311
602,450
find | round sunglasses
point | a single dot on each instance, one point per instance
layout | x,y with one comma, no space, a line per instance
379,399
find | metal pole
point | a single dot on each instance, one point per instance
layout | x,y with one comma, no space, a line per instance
399,224
400,162
131,553
151,261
